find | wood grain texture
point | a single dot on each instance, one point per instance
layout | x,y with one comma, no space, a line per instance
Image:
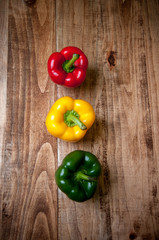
3,84
120,39
29,204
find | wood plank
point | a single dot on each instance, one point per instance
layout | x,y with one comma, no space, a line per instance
3,84
29,191
120,40
83,28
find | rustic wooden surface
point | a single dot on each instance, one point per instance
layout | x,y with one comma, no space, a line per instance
121,40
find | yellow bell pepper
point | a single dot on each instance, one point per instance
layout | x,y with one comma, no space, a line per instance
70,119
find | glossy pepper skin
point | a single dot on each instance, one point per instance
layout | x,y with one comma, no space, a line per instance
68,67
70,119
77,175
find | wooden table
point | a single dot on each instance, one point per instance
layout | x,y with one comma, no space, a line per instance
121,41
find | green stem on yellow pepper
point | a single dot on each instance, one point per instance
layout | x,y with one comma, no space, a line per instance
71,119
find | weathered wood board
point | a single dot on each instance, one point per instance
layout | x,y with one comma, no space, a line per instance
120,39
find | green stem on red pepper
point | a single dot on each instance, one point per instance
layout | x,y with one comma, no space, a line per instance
68,64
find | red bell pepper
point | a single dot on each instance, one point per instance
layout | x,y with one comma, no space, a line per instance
68,67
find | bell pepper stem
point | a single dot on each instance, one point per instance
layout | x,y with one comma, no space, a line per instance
71,119
71,61
68,64
76,121
80,175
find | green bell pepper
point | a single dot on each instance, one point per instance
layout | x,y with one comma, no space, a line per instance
77,175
